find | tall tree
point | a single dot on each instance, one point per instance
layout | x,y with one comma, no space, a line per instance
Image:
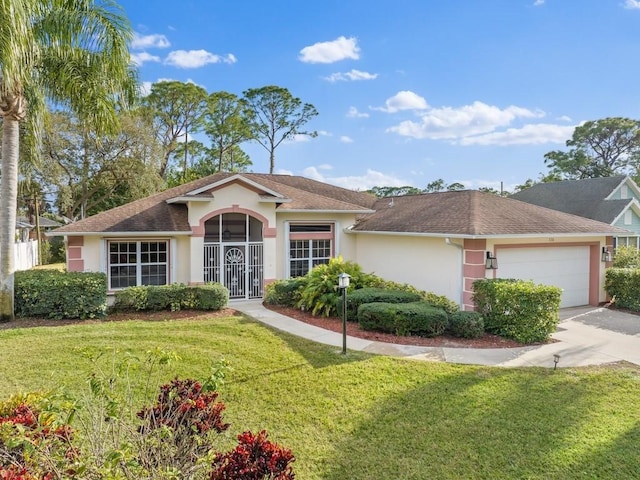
382,192
599,148
226,125
92,173
72,52
275,116
176,111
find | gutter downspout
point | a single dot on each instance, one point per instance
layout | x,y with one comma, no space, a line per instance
461,248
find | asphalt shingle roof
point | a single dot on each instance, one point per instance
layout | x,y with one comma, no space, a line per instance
154,214
585,198
473,213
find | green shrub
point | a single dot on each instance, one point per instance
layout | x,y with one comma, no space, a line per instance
623,286
518,309
56,294
371,295
465,324
320,294
417,318
284,292
441,301
212,296
626,257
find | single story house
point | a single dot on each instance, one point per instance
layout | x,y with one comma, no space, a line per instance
612,200
245,230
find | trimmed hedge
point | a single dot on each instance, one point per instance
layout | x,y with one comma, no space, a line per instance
174,297
418,318
379,295
284,292
465,324
518,309
59,295
623,286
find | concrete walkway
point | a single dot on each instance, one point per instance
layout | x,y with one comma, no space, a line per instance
585,336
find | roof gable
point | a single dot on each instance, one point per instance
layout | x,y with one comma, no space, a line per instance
167,211
589,198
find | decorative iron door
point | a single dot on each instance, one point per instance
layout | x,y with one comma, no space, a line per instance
235,269
236,266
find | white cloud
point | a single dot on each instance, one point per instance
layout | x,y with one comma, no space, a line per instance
452,123
354,113
330,52
346,139
632,4
325,166
532,134
143,57
140,42
353,75
196,58
145,88
564,118
403,100
324,133
537,3
371,178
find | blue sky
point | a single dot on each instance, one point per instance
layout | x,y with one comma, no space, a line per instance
408,91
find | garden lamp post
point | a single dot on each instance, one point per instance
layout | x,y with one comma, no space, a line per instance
343,284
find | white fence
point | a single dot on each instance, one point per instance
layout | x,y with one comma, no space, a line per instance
26,254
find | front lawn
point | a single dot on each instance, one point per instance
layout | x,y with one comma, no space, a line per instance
363,416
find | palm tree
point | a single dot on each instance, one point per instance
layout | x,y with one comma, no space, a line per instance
72,53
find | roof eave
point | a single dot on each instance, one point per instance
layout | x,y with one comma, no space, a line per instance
118,234
481,236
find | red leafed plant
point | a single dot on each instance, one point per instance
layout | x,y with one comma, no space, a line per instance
184,404
25,429
255,458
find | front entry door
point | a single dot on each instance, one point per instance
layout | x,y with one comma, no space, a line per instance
234,268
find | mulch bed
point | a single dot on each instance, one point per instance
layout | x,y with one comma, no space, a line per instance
354,330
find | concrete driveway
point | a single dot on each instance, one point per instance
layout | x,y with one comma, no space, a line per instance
587,336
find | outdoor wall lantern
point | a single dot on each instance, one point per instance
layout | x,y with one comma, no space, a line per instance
491,262
343,284
606,255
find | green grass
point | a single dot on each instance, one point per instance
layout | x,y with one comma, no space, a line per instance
370,417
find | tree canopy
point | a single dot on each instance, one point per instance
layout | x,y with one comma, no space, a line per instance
598,148
275,116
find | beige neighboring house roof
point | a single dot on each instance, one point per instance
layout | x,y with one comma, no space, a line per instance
471,213
166,212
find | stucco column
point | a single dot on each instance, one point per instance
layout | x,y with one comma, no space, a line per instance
473,268
196,270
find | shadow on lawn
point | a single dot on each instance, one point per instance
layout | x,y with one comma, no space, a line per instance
318,355
492,423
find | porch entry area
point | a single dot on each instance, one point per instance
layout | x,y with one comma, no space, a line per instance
233,254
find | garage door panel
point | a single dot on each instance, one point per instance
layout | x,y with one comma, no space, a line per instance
564,267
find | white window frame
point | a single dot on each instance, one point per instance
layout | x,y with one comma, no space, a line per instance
138,264
289,237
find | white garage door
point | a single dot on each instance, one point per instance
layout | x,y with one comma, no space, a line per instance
564,267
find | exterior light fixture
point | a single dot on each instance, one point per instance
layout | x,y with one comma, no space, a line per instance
606,255
343,284
556,359
491,262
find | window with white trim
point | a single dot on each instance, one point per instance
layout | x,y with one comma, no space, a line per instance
138,263
309,245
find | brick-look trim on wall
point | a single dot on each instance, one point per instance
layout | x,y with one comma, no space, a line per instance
473,264
75,263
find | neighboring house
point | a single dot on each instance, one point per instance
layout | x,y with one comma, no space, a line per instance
612,200
246,230
25,250
45,224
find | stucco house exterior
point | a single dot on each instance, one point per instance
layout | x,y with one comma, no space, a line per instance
246,230
613,200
